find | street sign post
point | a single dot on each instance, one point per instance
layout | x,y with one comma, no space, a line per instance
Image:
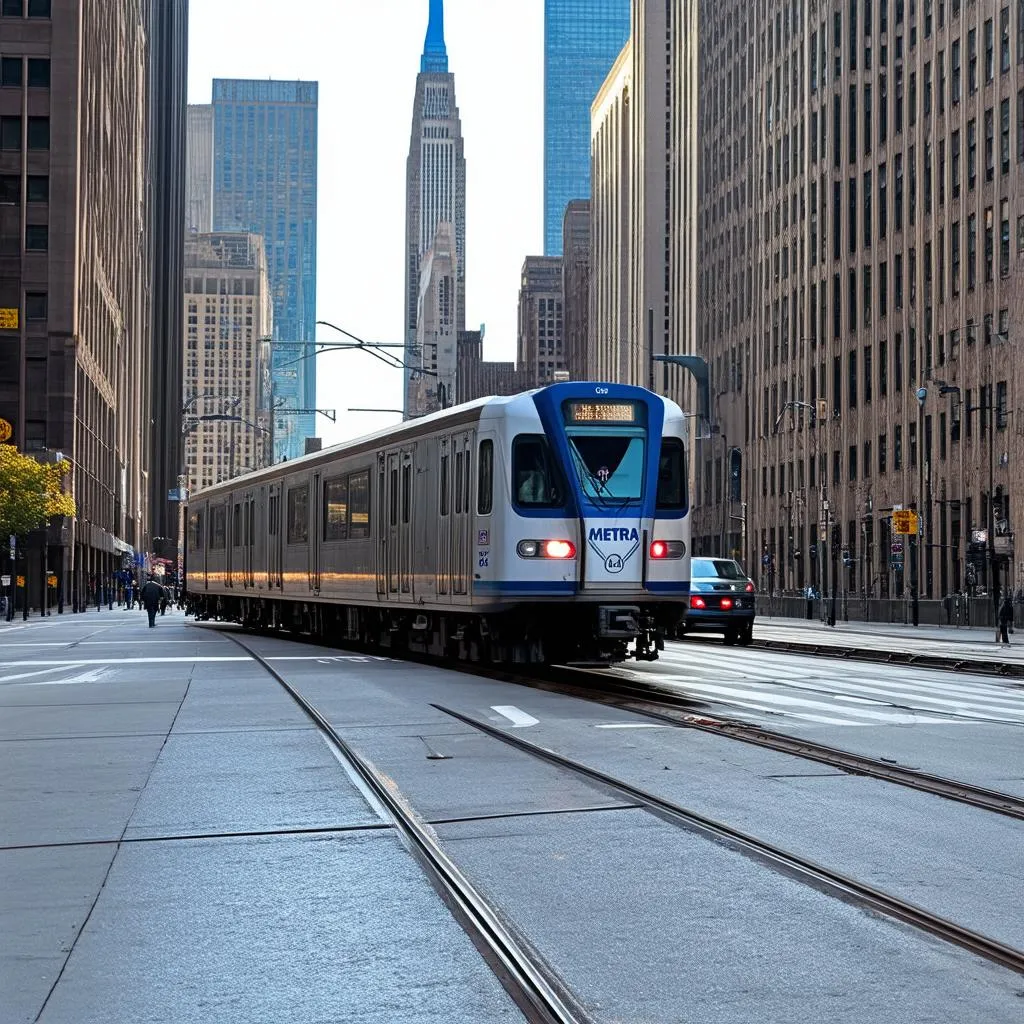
904,521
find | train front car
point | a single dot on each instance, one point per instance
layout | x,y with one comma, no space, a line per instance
611,467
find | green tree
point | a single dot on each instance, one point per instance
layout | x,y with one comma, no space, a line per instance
30,492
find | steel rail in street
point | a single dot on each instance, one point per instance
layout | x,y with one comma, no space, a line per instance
655,702
533,988
792,864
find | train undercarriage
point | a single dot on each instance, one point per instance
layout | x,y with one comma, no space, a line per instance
529,634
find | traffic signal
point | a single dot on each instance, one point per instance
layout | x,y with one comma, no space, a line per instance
735,474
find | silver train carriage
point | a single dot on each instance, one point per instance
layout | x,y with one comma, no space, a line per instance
551,525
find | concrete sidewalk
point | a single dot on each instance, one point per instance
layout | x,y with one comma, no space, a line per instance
964,649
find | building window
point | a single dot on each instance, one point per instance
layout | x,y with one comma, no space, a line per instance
39,8
955,72
1004,137
36,237
882,454
897,447
38,133
989,145
852,380
10,71
35,305
38,73
10,133
38,188
852,462
10,190
972,61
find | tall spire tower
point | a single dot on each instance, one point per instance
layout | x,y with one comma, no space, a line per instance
435,56
435,195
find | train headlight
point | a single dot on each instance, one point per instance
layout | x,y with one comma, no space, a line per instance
559,549
667,549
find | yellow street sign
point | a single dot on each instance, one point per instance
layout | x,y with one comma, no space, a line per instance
5,431
904,521
8,318
21,581
51,580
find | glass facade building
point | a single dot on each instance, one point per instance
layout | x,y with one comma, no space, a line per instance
264,181
582,38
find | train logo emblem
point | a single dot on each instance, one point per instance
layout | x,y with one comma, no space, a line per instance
614,562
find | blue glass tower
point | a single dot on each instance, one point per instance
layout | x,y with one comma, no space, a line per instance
264,181
582,38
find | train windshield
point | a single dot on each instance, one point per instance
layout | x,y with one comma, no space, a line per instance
609,463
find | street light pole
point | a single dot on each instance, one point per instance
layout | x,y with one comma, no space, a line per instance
992,506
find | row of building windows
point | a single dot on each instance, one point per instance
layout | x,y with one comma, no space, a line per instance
25,8
33,72
37,136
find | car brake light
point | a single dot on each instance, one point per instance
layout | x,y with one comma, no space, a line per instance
726,603
667,549
697,602
750,588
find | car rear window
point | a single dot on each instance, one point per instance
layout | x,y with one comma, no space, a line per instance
723,568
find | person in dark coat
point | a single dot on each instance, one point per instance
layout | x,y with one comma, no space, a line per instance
150,595
165,599
1005,618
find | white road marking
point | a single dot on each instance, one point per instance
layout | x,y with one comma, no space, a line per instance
119,661
93,676
519,719
28,675
633,725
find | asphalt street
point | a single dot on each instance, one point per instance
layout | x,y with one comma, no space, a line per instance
180,844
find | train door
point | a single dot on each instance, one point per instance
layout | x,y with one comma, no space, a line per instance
443,568
461,518
274,537
406,517
394,538
233,539
315,533
250,539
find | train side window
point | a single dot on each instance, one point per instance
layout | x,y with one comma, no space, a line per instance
298,514
236,526
671,474
196,537
444,485
218,527
535,483
393,504
359,505
485,479
272,510
336,509
460,458
406,493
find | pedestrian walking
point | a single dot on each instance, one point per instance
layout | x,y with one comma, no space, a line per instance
129,597
150,597
165,599
1005,619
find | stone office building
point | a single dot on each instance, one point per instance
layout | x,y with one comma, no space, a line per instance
76,228
861,285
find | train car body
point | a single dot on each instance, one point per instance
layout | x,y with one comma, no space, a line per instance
548,525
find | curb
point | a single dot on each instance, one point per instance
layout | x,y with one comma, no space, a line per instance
949,664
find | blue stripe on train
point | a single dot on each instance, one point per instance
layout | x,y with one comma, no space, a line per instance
670,587
525,586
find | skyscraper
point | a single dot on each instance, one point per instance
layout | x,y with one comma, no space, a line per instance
77,341
435,192
264,181
167,24
199,169
582,38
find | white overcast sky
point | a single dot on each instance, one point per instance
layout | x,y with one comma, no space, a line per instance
365,55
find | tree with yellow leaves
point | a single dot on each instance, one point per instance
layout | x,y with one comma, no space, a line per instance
30,493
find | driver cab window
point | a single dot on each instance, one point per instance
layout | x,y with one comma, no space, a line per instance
534,480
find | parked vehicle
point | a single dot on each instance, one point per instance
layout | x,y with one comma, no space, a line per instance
721,600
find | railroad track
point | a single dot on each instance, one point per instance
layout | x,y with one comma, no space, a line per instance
805,870
675,708
535,990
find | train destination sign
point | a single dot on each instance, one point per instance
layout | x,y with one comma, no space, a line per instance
600,412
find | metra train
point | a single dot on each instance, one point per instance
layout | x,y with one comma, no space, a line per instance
548,526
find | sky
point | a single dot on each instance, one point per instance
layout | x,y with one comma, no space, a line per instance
365,55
